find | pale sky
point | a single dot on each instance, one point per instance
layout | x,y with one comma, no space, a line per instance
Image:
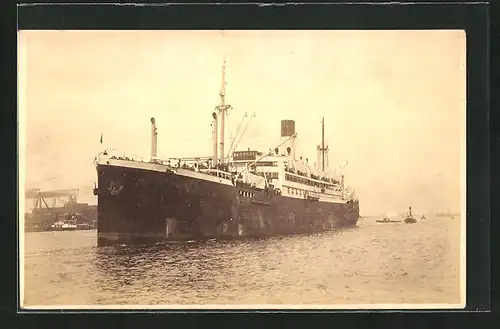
393,102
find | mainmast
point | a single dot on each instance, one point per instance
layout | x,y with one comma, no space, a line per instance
222,108
323,149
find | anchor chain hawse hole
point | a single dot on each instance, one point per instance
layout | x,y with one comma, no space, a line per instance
115,188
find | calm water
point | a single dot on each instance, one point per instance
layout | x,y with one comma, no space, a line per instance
374,263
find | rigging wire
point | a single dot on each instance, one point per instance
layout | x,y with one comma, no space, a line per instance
237,131
244,131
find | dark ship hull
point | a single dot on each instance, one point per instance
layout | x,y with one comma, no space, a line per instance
137,204
410,220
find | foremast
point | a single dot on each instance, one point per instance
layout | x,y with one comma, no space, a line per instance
222,110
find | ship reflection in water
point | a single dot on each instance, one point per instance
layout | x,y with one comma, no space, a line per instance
369,264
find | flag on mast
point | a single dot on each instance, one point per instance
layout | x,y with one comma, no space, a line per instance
101,139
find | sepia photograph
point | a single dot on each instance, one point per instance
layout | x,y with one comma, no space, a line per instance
242,169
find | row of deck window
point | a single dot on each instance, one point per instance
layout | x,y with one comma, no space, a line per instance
308,182
220,175
246,194
296,191
246,153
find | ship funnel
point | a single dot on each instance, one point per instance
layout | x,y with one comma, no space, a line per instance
154,139
288,130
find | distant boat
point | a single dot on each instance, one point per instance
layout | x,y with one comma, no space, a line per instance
423,217
387,219
76,215
447,214
63,226
409,217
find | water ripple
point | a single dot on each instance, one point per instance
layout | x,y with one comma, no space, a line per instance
387,263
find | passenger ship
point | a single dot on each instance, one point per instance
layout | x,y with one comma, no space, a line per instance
246,194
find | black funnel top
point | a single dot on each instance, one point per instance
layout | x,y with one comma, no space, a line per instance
287,128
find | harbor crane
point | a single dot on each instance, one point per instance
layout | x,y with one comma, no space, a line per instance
41,196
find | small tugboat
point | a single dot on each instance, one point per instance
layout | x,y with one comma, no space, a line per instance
72,222
409,217
388,219
63,226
